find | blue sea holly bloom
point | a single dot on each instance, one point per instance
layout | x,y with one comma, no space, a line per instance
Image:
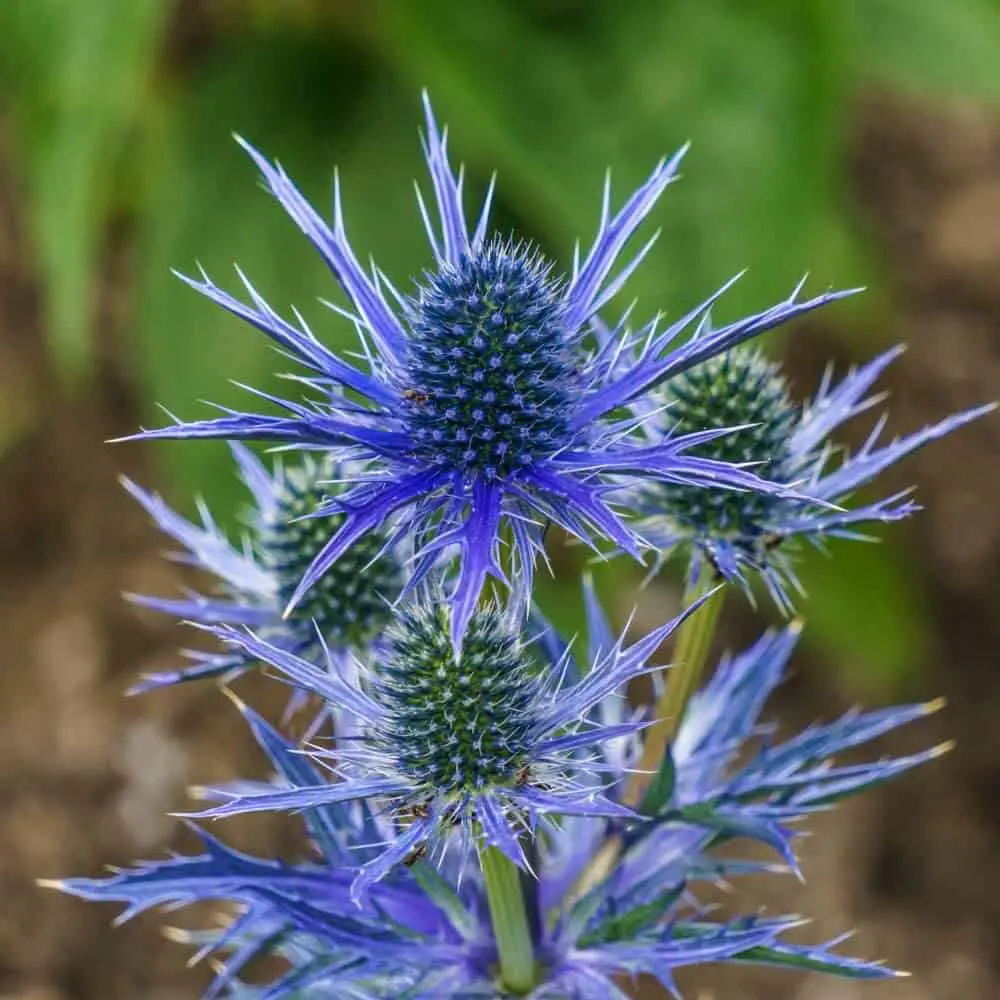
746,535
342,616
425,933
467,750
484,408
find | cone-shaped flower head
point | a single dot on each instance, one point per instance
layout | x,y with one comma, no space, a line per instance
496,374
348,609
487,408
458,724
466,749
746,534
427,934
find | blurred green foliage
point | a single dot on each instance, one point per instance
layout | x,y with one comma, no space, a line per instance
122,109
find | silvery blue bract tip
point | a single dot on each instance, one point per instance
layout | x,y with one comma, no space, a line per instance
485,405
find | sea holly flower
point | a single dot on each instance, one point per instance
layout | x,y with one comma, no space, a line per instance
750,534
485,408
424,933
342,616
467,749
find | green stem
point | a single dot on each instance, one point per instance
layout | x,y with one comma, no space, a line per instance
510,921
694,642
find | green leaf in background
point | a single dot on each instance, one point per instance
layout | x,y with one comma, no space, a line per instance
931,47
866,611
78,75
203,204
759,95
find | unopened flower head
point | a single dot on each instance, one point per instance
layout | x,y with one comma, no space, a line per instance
426,933
738,389
742,535
347,611
486,408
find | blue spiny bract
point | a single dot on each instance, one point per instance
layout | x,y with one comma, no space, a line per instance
345,612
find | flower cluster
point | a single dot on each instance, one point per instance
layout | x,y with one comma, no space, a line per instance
489,816
743,535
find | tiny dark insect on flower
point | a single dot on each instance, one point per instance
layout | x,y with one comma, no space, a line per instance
523,776
417,396
417,854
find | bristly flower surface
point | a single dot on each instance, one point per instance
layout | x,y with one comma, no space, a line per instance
426,934
486,408
742,535
466,750
345,613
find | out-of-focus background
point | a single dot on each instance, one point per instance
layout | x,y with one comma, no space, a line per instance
857,139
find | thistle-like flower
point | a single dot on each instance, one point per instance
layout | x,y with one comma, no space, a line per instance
425,933
345,613
745,534
485,409
467,749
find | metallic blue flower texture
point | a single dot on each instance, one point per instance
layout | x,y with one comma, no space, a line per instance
467,756
343,616
485,407
747,534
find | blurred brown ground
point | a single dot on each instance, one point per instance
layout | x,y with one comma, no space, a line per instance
86,776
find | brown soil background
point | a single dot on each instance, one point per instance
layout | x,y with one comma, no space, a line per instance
86,776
